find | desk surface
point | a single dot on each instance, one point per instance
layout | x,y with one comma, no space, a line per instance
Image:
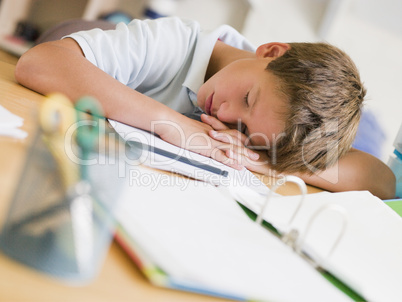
119,279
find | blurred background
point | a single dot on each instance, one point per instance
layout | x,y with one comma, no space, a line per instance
370,31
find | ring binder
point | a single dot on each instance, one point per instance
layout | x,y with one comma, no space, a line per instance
333,207
290,178
224,253
293,237
352,254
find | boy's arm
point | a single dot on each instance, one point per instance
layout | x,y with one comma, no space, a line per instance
60,66
356,170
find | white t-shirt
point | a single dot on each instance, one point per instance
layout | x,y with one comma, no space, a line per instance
165,59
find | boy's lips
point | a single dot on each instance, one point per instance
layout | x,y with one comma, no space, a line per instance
208,104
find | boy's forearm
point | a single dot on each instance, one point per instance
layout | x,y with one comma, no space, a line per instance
357,170
61,67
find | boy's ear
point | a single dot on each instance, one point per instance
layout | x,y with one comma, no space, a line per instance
274,49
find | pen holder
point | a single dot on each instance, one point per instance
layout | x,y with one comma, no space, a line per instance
61,217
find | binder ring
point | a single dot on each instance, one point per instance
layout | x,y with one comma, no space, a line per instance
332,207
290,178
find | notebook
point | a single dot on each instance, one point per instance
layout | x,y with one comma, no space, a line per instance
162,155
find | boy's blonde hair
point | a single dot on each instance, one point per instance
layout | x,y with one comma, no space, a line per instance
325,96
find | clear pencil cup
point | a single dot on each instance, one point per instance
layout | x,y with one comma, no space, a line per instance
61,218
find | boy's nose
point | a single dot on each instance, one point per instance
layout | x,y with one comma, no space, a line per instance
230,112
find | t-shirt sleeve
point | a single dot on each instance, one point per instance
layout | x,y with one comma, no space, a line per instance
143,53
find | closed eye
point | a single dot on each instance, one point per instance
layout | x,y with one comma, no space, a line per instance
246,99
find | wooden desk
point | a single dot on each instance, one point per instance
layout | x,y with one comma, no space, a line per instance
119,279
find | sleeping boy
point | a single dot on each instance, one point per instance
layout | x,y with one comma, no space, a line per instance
292,108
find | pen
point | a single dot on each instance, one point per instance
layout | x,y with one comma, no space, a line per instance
182,159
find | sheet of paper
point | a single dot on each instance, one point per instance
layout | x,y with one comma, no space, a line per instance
368,255
9,124
202,239
234,178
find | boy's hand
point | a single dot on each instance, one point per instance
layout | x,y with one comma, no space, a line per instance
256,161
194,136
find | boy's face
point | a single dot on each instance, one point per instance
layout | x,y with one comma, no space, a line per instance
244,92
